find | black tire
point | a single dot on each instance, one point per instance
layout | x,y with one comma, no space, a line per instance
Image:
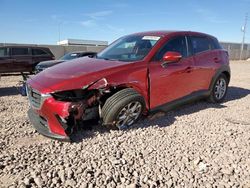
213,98
116,103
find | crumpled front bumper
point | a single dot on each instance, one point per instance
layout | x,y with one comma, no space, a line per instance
42,126
55,118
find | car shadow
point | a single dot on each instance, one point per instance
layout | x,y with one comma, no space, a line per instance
14,74
164,119
235,93
8,91
90,129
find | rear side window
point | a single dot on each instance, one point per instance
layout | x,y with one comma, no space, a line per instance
38,52
215,43
201,44
3,52
177,44
20,51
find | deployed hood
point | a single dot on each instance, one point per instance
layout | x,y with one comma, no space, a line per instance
75,75
49,63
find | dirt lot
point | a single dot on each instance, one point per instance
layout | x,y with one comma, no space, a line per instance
198,145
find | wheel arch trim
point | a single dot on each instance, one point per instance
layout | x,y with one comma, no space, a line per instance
225,69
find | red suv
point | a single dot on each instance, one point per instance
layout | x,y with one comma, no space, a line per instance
136,74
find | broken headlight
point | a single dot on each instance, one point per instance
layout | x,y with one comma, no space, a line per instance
70,96
73,95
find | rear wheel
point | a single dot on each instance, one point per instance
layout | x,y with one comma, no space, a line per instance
219,89
123,109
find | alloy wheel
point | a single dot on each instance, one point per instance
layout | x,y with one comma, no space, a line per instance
129,114
220,88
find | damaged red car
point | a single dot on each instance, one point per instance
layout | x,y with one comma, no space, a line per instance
136,74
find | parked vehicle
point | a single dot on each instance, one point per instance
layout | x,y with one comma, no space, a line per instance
136,74
69,56
22,58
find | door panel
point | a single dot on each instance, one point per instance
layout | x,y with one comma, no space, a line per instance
205,67
21,59
38,59
5,65
170,83
22,63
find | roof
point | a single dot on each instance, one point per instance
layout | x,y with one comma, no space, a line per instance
24,46
168,32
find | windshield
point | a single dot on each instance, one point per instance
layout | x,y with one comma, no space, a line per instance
129,48
70,56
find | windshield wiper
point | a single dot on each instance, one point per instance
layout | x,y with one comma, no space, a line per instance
108,59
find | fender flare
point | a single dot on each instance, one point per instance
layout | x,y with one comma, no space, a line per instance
222,69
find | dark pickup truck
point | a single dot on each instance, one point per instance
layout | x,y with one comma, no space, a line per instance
22,58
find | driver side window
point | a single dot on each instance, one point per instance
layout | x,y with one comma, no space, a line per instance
177,44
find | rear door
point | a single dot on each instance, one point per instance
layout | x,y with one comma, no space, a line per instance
206,60
21,59
5,61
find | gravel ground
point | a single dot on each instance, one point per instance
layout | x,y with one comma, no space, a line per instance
197,145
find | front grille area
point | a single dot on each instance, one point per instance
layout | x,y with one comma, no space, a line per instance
34,97
43,121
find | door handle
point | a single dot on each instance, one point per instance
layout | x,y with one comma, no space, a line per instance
216,60
164,64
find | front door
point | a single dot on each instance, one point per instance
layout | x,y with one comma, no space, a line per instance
173,81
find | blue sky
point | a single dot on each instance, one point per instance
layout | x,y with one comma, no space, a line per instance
31,21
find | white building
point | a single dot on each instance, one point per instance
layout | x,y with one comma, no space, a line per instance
69,42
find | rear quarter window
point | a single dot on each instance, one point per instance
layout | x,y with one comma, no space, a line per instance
39,52
20,51
215,43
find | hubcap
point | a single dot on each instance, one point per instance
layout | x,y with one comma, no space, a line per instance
129,114
220,88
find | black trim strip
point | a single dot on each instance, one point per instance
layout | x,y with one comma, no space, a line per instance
184,100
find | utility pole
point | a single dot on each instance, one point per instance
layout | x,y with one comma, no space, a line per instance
243,29
59,31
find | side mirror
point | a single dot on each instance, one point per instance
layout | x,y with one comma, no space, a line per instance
170,57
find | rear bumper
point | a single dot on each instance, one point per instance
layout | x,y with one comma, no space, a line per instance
42,127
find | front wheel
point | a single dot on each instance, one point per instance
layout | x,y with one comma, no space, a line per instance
219,89
123,109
